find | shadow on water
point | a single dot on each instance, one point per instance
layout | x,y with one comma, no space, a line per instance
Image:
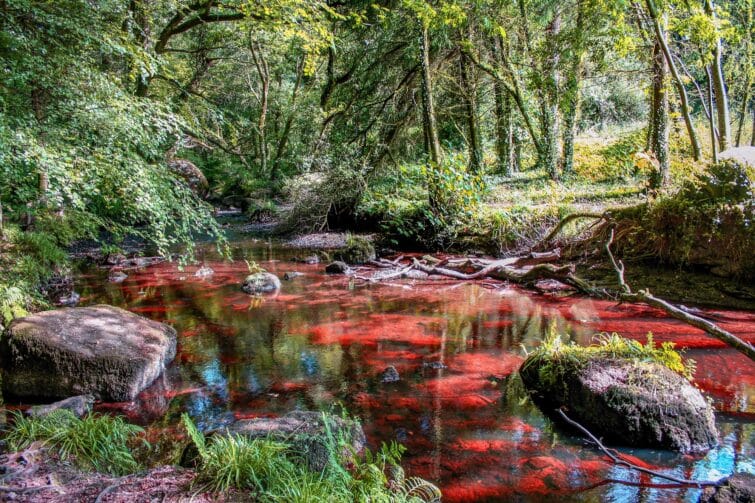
324,340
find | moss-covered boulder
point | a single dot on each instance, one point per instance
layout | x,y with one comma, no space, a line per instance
358,250
102,350
627,402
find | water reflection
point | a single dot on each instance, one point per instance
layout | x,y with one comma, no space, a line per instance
325,340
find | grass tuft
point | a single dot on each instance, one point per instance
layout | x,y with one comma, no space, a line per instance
99,443
274,472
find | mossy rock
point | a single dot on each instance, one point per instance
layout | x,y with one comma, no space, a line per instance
358,250
101,350
634,403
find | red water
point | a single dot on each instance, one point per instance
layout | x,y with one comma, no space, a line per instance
324,340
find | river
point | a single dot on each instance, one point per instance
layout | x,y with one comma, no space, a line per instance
323,341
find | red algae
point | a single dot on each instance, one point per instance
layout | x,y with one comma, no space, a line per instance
325,339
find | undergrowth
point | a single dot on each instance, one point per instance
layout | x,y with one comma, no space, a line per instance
555,358
95,442
274,472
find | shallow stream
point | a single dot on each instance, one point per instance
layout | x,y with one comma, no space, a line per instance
323,341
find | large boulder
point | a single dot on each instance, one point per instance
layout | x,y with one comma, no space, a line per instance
191,174
261,282
625,401
309,433
101,350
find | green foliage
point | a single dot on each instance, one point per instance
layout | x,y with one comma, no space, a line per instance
254,267
618,159
99,443
273,471
557,357
728,182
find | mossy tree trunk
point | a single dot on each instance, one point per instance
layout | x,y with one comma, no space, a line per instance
659,126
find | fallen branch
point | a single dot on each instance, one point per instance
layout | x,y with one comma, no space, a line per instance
622,462
674,311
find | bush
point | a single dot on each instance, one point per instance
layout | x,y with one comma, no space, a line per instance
99,443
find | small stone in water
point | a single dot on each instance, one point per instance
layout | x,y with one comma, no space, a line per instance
204,272
390,374
434,365
69,300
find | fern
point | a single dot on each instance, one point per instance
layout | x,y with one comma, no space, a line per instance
195,435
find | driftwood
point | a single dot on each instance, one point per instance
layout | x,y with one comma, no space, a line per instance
530,268
677,312
617,459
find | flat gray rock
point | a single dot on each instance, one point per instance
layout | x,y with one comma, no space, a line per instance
101,350
80,406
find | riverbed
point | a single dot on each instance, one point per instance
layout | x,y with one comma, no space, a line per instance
323,341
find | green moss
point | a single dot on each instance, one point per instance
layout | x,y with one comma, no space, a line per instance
555,359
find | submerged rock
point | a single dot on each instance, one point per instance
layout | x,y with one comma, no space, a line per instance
80,406
101,350
306,431
117,276
292,275
633,403
204,272
69,300
261,282
390,374
337,267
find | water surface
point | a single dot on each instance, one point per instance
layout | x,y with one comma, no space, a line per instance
324,340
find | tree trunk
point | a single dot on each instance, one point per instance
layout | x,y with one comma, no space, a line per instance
140,29
283,138
711,124
572,96
660,37
469,93
263,72
503,129
428,110
719,88
428,119
548,155
743,111
752,133
659,128
569,114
